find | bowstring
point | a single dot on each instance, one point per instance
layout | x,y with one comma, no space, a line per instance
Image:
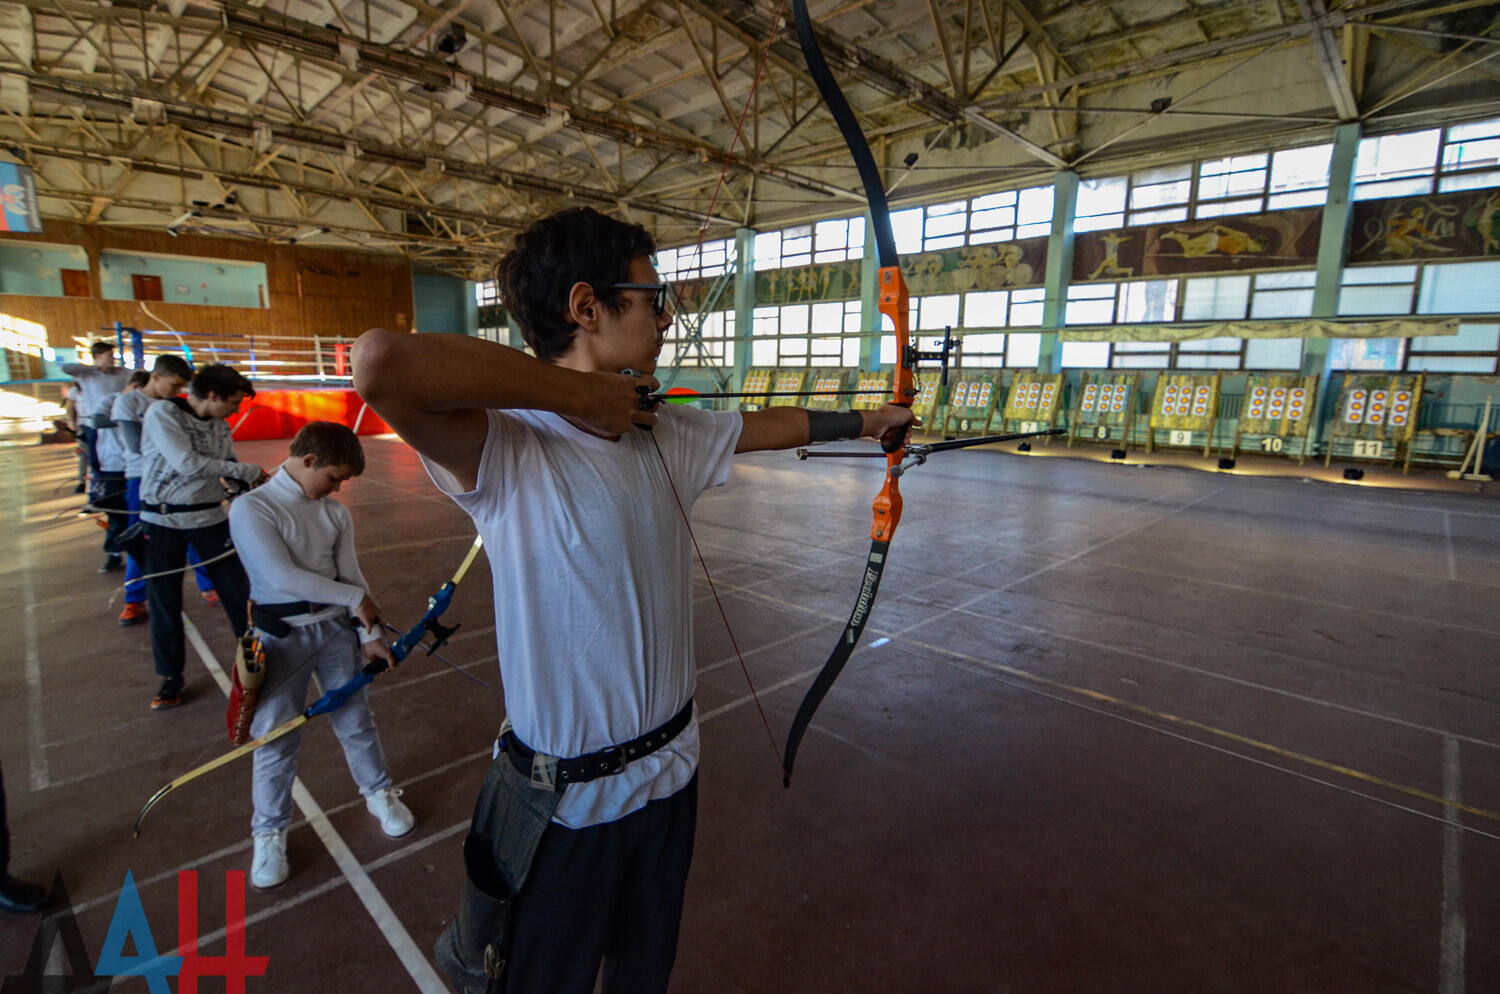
754,694
738,131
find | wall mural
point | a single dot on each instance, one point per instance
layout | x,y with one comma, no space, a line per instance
1445,226
1001,266
1284,240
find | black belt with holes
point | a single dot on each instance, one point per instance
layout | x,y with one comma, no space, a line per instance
180,508
267,617
603,763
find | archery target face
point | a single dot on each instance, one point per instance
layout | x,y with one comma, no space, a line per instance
981,395
1401,408
1119,398
961,395
1354,407
1090,394
1295,402
1376,410
1255,405
1048,392
1278,403
1169,400
788,382
1200,402
929,391
825,386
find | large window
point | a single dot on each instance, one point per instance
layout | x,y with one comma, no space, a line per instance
978,317
487,293
1138,302
1461,157
692,262
804,245
826,334
1472,350
994,217
717,343
1253,184
1238,184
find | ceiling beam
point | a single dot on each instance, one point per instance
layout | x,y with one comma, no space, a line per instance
1328,52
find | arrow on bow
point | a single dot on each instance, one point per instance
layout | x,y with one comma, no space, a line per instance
338,696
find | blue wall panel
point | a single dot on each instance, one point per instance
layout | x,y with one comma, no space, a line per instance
35,268
217,282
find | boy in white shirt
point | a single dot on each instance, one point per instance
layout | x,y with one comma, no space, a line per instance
297,545
95,378
578,854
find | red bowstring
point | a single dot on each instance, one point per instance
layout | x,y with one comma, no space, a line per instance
770,735
738,130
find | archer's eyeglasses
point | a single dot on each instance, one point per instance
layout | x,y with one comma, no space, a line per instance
658,301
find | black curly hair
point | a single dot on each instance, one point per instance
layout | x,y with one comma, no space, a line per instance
555,252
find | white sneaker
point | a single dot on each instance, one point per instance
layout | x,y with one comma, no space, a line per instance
269,868
396,818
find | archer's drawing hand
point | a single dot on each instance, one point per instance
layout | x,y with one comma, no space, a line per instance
892,424
616,402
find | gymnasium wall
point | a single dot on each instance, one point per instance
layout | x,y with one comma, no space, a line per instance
213,282
37,268
444,304
309,291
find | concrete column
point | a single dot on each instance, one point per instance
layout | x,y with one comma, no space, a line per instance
1333,243
1059,268
471,309
744,304
869,303
1333,250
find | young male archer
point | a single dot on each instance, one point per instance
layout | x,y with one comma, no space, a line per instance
579,850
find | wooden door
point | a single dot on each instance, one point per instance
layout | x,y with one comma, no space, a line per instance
76,283
146,287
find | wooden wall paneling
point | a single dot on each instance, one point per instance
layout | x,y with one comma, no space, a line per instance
310,291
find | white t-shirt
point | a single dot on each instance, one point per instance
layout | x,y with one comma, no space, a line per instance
131,407
592,567
109,448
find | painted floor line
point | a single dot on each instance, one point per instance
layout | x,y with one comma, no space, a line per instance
1301,598
1237,681
400,940
1178,721
1451,939
1169,733
1448,541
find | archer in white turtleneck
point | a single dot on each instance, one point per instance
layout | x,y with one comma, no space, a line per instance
298,548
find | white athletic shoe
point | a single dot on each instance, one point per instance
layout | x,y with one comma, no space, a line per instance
396,818
269,868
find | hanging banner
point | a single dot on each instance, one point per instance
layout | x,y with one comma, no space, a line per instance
1311,328
18,193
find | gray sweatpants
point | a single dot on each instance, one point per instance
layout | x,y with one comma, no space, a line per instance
331,650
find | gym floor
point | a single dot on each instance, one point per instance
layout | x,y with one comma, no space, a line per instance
1110,729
